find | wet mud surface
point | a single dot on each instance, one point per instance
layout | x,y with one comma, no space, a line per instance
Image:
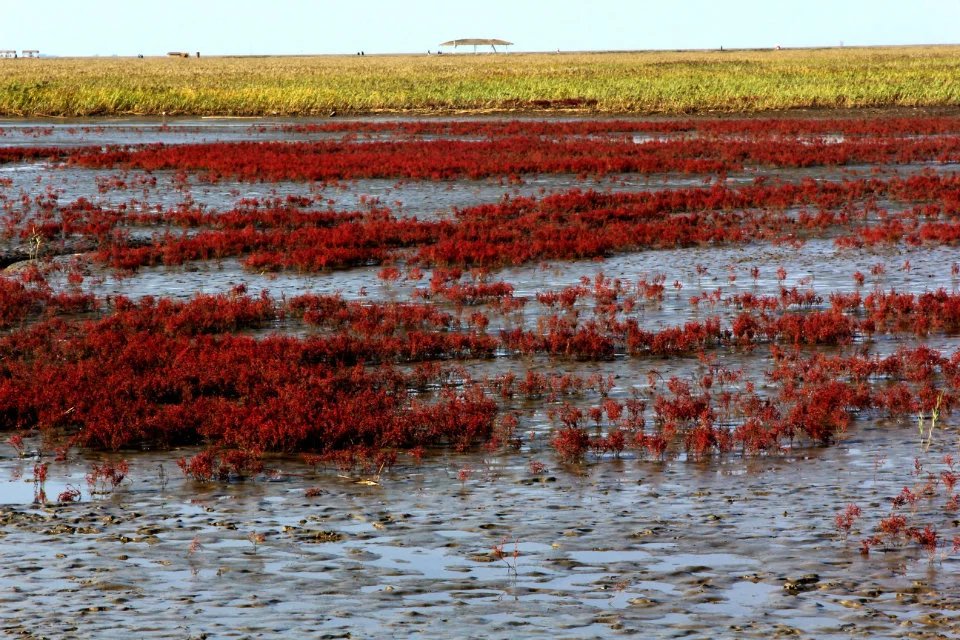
740,548
484,545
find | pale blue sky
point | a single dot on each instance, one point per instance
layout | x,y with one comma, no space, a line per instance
129,27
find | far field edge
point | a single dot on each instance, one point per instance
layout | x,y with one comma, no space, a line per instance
628,84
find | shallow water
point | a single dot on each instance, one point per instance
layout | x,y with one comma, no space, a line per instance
659,549
614,547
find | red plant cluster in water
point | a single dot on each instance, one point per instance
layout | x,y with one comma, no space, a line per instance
753,127
20,154
354,383
528,147
282,234
816,398
28,297
571,225
167,373
161,373
276,235
902,527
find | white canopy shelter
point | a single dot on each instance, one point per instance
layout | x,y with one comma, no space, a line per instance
491,42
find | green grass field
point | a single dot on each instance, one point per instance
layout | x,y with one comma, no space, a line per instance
640,82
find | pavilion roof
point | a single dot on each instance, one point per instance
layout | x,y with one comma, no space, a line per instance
474,41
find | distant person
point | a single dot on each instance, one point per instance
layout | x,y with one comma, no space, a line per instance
198,54
362,53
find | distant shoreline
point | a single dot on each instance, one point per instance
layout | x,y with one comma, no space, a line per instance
484,51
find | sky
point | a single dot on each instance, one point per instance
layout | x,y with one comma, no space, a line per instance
276,27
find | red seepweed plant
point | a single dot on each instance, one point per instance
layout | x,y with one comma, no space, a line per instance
106,477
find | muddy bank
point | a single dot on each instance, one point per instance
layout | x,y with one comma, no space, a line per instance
735,548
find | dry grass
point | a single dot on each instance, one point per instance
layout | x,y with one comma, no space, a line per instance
641,82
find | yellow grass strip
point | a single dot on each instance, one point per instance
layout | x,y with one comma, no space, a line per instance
640,82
